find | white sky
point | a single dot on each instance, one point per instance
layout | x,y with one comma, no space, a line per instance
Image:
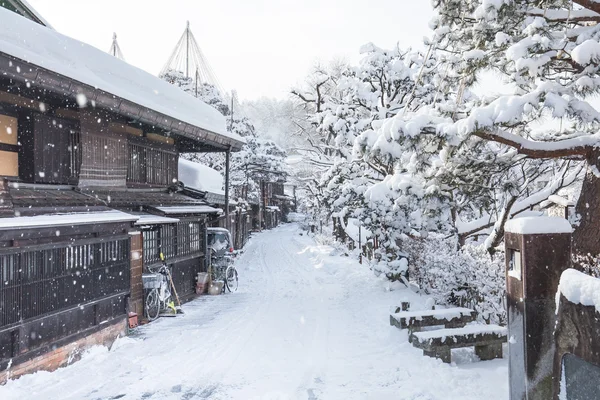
258,47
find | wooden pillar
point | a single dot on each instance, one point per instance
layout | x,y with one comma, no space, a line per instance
136,299
538,250
227,160
6,206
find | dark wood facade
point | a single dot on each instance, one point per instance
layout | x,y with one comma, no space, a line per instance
60,284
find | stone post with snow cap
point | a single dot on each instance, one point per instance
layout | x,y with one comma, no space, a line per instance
538,250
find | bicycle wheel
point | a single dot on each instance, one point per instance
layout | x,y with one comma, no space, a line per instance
231,278
152,305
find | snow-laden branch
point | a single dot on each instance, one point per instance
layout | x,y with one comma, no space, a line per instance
562,15
576,146
466,229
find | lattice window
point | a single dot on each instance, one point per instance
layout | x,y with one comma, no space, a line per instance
39,282
149,165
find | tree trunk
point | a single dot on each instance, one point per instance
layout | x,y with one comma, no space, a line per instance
586,237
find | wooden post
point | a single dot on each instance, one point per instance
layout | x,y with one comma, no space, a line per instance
295,200
535,259
360,244
227,159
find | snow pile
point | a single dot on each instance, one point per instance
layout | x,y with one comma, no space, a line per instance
475,329
200,177
439,314
538,225
561,201
579,288
56,52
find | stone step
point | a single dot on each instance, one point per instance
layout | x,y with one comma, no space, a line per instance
449,317
487,340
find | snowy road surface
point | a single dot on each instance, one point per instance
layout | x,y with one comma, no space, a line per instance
304,325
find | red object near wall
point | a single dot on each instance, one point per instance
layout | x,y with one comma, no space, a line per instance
133,320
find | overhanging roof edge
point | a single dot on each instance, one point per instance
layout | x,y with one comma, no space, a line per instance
64,85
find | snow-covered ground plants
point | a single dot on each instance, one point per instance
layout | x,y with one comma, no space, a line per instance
465,277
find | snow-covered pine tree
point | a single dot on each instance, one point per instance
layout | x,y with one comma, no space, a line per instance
547,54
259,160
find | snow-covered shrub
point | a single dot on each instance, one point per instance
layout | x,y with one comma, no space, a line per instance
465,277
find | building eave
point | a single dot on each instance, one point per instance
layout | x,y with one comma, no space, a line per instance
36,77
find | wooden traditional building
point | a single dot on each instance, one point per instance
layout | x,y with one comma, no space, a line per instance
89,149
204,183
276,204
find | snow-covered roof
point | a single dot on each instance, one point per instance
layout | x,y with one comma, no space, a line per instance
151,219
45,221
200,177
538,225
177,210
53,51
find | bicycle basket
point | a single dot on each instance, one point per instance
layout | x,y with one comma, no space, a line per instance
151,281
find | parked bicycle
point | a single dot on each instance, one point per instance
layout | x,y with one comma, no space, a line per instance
158,299
222,269
221,258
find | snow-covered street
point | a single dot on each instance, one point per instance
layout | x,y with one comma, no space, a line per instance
305,324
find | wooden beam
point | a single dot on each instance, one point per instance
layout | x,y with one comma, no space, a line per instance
589,4
532,149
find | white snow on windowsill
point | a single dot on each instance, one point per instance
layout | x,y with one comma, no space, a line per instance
538,225
579,288
514,274
40,221
151,219
46,48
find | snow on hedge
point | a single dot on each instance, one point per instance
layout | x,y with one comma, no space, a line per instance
538,225
200,177
579,288
46,48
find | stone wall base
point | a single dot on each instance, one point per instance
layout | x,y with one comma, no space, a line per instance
67,354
